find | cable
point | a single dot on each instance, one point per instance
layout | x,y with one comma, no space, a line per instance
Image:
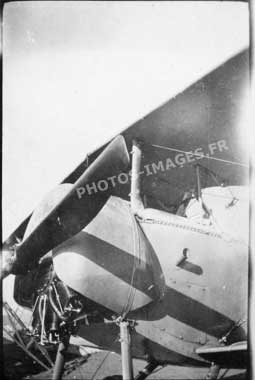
201,155
137,258
100,365
33,310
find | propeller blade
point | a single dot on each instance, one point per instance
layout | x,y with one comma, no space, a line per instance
73,212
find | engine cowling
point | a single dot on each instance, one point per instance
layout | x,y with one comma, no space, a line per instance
111,262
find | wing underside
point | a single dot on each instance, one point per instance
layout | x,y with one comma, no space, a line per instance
204,118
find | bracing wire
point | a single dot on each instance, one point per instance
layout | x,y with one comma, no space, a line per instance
201,155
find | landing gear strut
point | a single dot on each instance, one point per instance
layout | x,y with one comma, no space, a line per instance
60,358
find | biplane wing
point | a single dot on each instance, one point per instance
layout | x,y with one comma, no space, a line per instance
201,125
232,356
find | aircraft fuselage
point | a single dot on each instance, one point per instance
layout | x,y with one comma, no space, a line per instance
183,281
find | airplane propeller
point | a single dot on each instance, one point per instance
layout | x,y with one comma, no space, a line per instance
78,206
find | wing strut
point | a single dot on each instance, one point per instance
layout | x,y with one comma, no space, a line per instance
126,357
135,194
61,358
213,372
126,354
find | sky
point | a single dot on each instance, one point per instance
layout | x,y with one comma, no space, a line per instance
77,73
